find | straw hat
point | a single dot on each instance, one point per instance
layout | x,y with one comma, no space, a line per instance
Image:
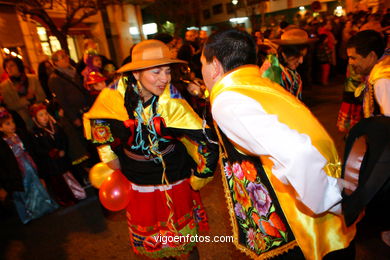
147,54
294,36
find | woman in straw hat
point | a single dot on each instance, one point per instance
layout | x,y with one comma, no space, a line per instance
282,67
145,128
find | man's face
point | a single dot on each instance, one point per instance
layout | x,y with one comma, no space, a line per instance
12,69
190,36
361,65
207,73
63,61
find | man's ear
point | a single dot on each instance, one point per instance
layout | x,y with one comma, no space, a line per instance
217,68
373,57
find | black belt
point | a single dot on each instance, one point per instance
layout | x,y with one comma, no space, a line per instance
139,157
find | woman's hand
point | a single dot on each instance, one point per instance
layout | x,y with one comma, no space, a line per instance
3,194
195,88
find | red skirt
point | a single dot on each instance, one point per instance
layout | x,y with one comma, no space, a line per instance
349,115
166,211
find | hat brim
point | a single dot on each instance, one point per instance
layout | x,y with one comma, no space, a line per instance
96,81
145,64
293,42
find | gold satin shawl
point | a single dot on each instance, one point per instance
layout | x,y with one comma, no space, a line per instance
316,235
381,70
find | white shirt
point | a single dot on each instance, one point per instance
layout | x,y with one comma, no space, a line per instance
296,161
382,95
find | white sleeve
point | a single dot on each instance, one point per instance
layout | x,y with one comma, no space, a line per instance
296,161
382,95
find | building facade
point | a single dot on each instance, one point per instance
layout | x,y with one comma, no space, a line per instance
29,38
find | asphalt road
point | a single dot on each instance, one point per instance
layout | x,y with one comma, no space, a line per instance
85,231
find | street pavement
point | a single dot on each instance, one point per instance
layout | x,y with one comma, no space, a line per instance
87,231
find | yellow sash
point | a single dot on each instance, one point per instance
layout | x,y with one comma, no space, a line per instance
316,235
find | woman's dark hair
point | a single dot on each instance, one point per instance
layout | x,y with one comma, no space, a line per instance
267,34
367,41
233,48
164,37
321,38
4,115
19,63
131,98
43,77
290,51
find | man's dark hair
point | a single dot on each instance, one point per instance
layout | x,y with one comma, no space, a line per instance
283,24
164,37
366,41
232,47
19,63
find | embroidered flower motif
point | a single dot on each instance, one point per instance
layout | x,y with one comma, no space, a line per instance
256,218
250,238
228,170
241,194
277,222
101,134
260,197
268,229
151,245
239,211
249,170
201,164
200,215
260,243
238,171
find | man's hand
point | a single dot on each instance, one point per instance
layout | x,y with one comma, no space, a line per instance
77,122
3,194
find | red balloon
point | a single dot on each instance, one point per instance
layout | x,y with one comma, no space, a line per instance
114,193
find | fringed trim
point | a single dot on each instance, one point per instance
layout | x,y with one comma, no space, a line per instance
174,253
80,160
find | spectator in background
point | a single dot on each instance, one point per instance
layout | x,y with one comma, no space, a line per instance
108,66
373,23
50,146
326,28
67,85
72,97
45,68
20,90
282,68
190,53
95,83
324,58
94,64
18,173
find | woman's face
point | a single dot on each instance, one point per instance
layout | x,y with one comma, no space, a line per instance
8,127
12,69
42,117
153,80
294,61
97,62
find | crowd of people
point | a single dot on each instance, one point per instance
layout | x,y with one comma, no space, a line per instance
164,119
